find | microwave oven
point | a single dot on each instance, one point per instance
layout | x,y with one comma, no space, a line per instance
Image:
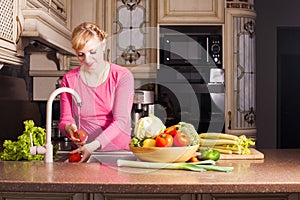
191,49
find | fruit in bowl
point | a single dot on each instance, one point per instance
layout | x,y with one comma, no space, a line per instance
164,154
152,141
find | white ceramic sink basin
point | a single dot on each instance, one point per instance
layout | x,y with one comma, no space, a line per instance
104,157
111,157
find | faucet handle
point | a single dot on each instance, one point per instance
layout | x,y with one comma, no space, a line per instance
34,150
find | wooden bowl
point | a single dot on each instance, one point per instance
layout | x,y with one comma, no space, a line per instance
164,154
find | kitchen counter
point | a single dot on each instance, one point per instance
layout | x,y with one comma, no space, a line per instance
279,172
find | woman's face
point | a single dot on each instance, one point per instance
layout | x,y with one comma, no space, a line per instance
92,53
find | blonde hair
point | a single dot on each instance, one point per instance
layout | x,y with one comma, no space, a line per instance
84,32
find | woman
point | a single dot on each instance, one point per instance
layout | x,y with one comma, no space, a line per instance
106,90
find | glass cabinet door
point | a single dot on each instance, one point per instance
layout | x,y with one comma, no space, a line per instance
240,65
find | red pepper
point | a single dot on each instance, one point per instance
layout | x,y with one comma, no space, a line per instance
172,130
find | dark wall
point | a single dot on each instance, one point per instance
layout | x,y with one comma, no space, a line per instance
15,105
270,15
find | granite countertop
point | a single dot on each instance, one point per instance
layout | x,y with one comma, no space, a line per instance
278,172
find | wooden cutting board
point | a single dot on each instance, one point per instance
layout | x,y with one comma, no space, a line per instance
254,155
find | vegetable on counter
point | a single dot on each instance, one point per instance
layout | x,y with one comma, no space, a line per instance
210,154
172,130
151,127
149,142
164,140
148,127
20,149
226,143
75,157
181,139
191,131
206,165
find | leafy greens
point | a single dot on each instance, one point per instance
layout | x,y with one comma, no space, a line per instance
20,149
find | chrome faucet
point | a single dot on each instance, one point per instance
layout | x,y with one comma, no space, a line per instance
47,150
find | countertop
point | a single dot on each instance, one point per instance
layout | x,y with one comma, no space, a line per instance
278,172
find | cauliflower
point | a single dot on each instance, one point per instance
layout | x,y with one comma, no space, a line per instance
148,127
191,131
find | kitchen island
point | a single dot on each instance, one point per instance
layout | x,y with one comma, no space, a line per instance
277,174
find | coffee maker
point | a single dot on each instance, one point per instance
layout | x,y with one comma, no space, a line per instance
143,105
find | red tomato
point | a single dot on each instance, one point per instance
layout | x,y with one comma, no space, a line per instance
75,157
164,140
80,134
181,139
172,130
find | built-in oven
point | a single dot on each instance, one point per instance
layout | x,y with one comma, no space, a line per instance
192,91
191,45
191,100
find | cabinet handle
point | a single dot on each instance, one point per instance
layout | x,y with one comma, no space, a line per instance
19,29
207,50
229,120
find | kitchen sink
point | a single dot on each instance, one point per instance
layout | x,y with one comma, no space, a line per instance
102,157
111,157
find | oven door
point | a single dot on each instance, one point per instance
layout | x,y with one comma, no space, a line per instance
192,103
182,50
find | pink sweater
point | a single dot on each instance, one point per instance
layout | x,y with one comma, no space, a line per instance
105,111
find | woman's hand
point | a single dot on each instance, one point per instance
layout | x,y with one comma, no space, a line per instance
87,150
71,129
83,151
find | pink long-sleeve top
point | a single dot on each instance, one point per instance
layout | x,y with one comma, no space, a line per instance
105,113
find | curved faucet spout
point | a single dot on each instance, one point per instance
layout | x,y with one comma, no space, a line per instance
64,89
48,145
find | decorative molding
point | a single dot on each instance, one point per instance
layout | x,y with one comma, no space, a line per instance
38,25
194,11
240,4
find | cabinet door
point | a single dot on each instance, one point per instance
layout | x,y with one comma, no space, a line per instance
41,196
240,69
131,27
192,11
292,196
143,196
10,29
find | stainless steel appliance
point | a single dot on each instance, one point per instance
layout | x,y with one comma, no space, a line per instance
191,45
199,103
190,87
143,105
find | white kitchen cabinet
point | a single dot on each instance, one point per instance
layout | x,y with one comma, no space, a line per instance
240,69
46,40
89,11
113,17
192,11
47,22
131,27
10,30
